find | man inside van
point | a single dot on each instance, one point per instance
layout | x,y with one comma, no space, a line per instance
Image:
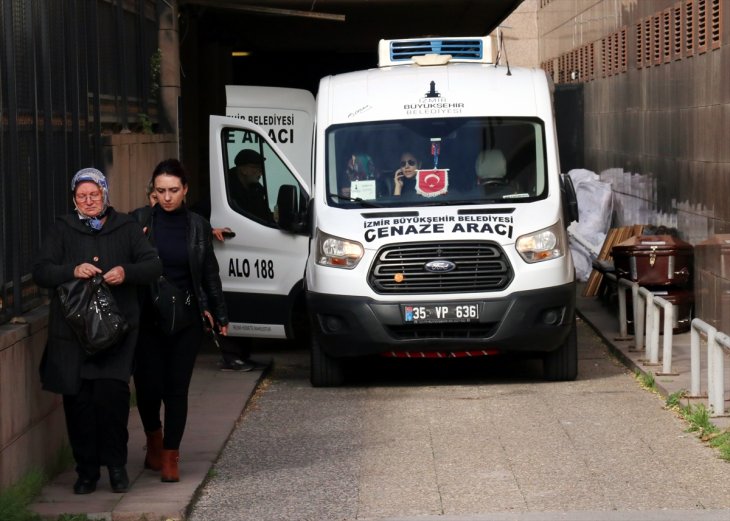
246,190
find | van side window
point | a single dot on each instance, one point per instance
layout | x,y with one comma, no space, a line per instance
255,175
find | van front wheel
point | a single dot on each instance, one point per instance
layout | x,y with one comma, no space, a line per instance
325,370
562,364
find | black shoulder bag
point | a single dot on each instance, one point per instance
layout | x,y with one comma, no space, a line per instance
174,307
92,313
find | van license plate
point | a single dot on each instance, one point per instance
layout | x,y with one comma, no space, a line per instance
433,313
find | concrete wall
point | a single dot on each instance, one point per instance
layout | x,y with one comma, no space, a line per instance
656,128
519,32
129,161
32,425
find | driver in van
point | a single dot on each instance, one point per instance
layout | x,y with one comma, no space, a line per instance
246,191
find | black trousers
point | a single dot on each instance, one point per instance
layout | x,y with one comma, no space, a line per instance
163,370
96,419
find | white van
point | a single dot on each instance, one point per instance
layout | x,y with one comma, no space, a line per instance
412,210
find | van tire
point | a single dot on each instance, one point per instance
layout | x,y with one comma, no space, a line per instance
325,370
561,365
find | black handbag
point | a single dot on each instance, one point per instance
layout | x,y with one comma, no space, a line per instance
174,307
92,313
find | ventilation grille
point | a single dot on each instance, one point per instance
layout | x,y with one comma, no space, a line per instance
401,52
479,266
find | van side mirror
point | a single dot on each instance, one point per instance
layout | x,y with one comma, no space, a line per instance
570,200
288,206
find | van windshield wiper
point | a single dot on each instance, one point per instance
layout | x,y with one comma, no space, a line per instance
364,203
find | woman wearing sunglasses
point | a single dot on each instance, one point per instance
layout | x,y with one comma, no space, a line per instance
405,176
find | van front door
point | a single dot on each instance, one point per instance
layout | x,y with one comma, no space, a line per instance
261,265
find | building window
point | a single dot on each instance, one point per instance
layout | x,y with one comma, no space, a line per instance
689,28
716,23
701,6
647,42
656,39
613,53
677,31
667,35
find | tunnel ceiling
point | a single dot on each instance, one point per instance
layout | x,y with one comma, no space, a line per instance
347,26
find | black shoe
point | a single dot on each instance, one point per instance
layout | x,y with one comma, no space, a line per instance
242,366
118,479
84,486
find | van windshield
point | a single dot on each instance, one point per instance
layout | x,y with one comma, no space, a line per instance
436,162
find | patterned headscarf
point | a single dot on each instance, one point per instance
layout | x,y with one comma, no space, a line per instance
95,176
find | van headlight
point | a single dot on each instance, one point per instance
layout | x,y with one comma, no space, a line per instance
336,252
542,245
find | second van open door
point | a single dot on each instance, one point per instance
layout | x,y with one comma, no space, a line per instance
261,264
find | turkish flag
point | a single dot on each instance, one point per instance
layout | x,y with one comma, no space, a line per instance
431,183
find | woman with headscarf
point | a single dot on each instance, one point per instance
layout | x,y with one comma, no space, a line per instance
165,362
94,240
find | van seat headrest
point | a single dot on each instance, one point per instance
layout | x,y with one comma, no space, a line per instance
491,165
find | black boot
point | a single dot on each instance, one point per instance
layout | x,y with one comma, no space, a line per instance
84,485
88,476
118,479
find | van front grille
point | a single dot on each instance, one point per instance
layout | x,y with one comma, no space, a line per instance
477,267
442,331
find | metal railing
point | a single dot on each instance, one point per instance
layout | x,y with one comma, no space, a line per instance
647,309
647,317
718,345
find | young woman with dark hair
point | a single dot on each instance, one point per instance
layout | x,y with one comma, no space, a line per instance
164,363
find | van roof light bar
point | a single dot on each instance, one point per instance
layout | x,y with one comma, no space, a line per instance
409,51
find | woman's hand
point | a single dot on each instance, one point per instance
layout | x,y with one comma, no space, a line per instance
86,270
115,276
398,179
223,330
209,319
218,233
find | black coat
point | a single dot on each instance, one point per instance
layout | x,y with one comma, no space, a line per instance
204,270
69,243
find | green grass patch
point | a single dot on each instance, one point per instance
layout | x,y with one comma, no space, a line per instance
646,380
15,499
699,420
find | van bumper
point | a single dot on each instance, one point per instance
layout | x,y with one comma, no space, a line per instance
530,321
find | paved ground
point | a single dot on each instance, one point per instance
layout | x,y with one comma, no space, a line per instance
216,401
603,318
526,473
482,438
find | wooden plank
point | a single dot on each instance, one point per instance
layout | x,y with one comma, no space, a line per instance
613,237
596,276
594,279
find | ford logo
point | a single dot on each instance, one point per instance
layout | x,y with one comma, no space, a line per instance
440,266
